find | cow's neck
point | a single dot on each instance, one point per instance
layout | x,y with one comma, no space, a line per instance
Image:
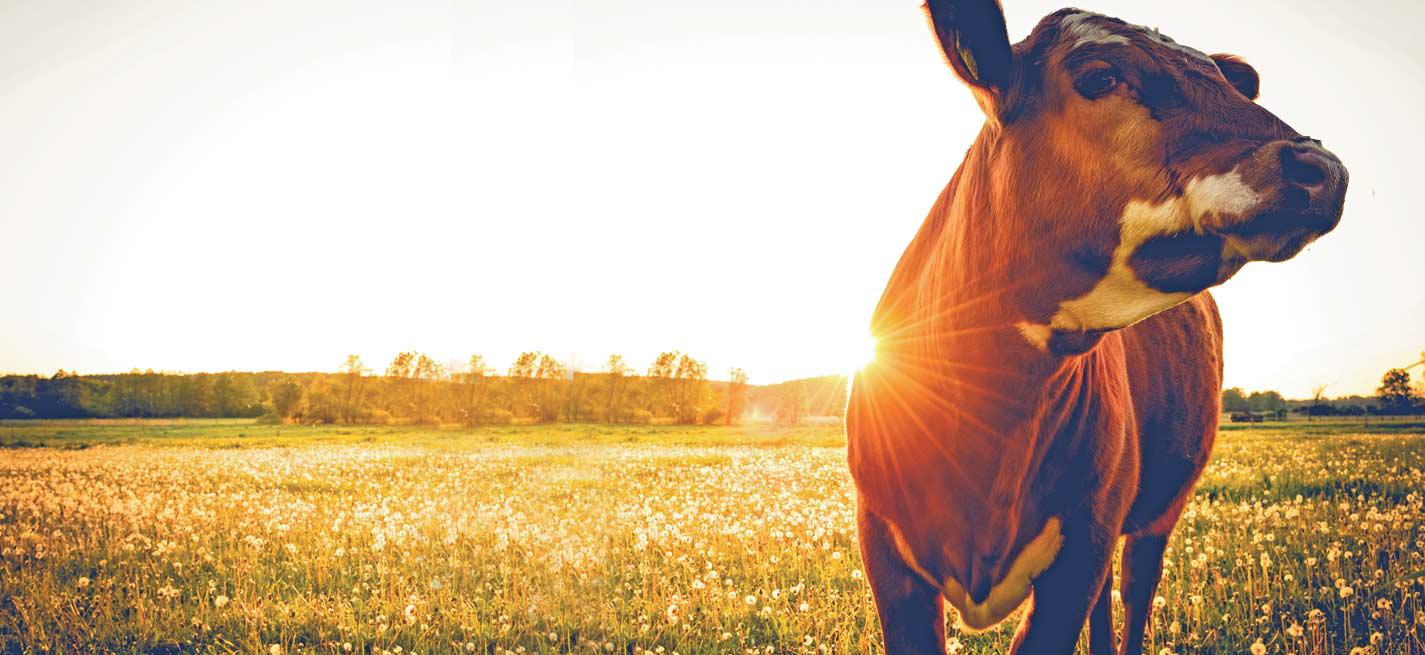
948,323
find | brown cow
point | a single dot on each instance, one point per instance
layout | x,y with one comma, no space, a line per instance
1049,364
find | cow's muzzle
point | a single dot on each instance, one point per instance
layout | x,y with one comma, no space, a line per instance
1302,188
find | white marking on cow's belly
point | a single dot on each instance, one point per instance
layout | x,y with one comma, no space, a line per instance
1008,593
1120,298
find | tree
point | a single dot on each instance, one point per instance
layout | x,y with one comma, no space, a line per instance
550,375
323,401
1395,394
401,401
690,389
791,403
1266,401
475,387
736,396
286,397
521,378
195,396
616,389
424,376
1234,400
1319,406
235,394
353,376
661,383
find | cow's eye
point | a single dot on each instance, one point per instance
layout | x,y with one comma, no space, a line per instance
1096,83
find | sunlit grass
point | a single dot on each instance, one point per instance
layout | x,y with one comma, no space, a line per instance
618,539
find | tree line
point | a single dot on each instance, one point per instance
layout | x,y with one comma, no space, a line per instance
1397,395
415,388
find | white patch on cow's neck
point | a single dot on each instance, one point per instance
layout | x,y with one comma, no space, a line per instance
1121,299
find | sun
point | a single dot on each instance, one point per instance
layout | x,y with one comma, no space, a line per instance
860,351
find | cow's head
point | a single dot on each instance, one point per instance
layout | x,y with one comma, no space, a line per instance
1128,170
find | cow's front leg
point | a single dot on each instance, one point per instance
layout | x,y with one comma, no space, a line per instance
912,612
1064,592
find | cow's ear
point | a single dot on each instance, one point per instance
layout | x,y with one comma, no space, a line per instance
1239,74
975,41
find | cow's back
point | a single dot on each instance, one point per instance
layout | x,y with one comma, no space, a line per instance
1175,371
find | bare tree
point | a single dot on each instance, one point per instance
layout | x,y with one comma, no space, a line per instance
521,379
616,390
550,375
474,390
736,396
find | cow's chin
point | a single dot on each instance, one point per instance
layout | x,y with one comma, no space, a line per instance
1276,236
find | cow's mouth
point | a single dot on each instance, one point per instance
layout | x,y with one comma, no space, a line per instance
1188,262
1278,235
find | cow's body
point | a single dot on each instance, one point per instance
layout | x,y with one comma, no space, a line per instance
1049,362
1140,410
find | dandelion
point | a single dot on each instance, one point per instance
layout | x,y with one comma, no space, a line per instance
953,645
1294,630
220,601
750,599
1258,648
274,649
83,582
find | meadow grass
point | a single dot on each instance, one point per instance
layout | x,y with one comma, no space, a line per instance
223,536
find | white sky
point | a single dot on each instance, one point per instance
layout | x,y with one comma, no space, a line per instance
271,185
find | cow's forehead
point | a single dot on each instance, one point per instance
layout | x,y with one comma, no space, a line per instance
1081,28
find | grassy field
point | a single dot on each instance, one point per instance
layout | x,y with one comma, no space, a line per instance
213,536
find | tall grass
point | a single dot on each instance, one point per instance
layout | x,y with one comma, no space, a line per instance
603,540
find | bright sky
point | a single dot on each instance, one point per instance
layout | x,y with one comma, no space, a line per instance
271,185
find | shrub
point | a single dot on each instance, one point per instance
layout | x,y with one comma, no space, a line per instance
640,417
713,416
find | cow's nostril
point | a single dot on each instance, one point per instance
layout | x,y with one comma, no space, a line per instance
1303,167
